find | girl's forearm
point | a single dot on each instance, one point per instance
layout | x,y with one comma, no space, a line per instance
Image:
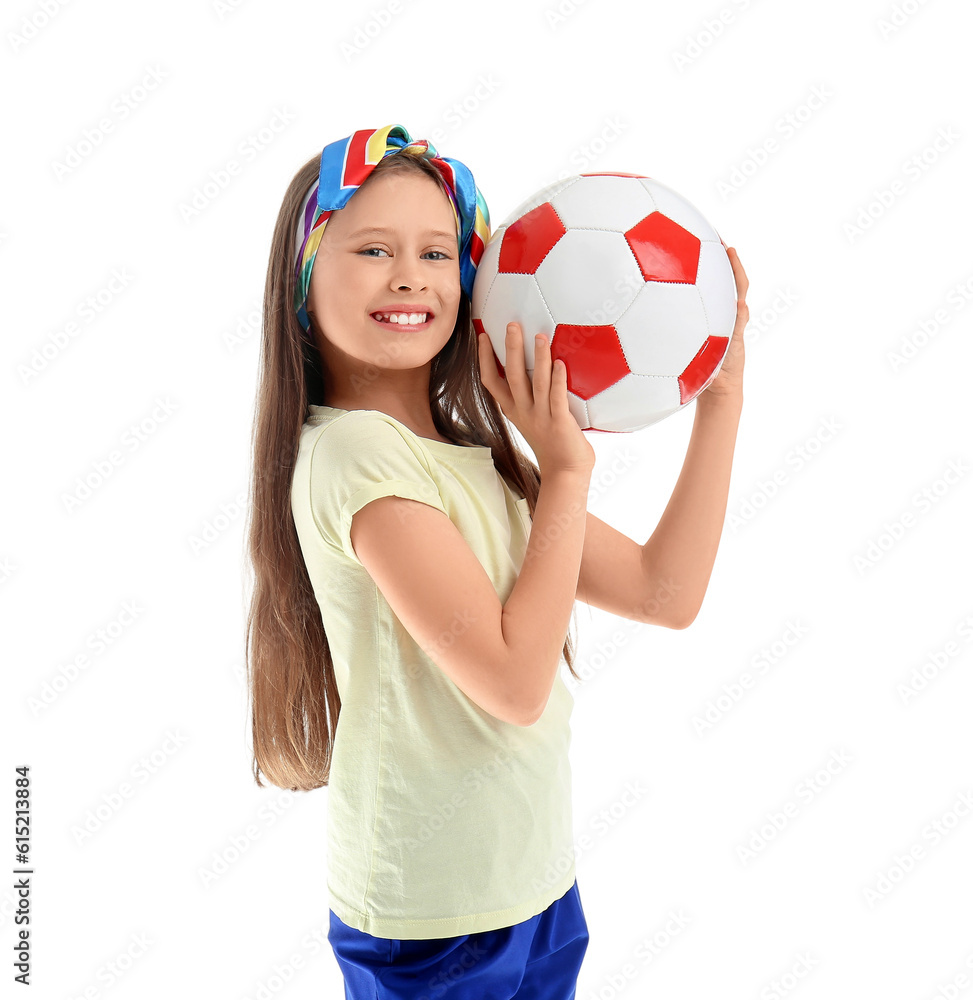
684,544
538,610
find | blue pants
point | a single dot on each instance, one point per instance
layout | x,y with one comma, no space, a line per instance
538,959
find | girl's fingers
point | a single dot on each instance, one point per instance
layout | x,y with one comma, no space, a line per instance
542,370
742,282
488,371
559,389
491,378
516,368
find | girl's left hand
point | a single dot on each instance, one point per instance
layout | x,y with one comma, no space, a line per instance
729,379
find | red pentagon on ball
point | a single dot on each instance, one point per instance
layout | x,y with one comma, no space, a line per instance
664,250
602,362
529,240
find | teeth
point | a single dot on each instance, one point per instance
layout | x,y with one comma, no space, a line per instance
410,319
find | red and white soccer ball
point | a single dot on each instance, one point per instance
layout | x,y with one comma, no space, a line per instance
630,282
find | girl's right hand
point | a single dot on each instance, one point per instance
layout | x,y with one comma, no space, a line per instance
539,411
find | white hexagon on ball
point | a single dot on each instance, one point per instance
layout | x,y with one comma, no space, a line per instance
589,277
624,405
515,298
663,329
612,203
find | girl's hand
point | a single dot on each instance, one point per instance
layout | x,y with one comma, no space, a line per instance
539,411
729,379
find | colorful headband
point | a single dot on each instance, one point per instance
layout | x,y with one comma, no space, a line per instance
346,164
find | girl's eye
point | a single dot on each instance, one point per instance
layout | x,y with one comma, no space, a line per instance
367,252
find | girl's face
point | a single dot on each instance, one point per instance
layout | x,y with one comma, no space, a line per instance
392,248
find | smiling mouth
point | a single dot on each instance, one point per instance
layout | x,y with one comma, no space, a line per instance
403,321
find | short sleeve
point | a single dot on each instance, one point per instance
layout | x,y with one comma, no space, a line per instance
361,456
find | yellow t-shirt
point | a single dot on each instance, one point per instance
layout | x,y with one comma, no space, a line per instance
442,819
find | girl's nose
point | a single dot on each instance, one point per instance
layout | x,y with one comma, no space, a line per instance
407,275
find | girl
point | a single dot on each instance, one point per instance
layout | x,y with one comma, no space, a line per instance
415,575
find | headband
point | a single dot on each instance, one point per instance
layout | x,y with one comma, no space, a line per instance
347,163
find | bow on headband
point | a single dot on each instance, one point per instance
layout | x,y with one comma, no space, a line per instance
347,163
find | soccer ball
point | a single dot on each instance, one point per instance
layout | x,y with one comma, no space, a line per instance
630,283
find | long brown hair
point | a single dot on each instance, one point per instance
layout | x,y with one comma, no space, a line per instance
291,682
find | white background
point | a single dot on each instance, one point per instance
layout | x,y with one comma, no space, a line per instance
842,573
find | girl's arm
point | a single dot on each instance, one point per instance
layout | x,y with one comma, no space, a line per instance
503,657
683,546
663,581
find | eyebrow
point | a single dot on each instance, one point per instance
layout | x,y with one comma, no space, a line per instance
379,231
